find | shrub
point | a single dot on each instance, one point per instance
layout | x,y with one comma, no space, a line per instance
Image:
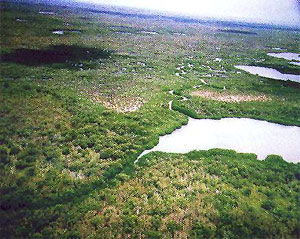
30,171
66,150
21,164
247,192
122,177
172,227
14,150
82,143
153,235
180,108
4,154
274,159
51,154
201,231
268,205
156,222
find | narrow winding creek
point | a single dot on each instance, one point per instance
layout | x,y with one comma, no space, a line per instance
241,134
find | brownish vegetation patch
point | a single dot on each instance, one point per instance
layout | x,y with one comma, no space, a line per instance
121,104
226,97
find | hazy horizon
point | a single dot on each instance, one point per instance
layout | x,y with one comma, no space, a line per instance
275,12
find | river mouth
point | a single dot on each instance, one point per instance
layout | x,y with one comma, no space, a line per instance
240,134
269,73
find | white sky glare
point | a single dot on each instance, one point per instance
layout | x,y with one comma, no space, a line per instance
278,12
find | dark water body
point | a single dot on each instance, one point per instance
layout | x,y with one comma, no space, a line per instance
238,31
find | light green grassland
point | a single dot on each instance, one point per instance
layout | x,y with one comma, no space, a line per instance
73,123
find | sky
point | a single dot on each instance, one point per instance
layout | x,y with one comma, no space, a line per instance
278,12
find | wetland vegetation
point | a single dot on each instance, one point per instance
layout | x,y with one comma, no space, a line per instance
76,110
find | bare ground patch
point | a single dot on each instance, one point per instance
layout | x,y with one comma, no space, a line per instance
121,104
226,97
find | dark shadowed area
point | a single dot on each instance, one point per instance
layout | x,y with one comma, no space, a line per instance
55,54
237,31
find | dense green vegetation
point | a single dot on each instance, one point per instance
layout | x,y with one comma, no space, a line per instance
278,110
204,194
77,109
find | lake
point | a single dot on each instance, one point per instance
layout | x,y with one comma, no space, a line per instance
62,32
269,73
295,63
286,55
58,32
240,134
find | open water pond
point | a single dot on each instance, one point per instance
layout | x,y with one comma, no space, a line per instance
243,135
295,63
269,73
58,32
286,55
62,32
